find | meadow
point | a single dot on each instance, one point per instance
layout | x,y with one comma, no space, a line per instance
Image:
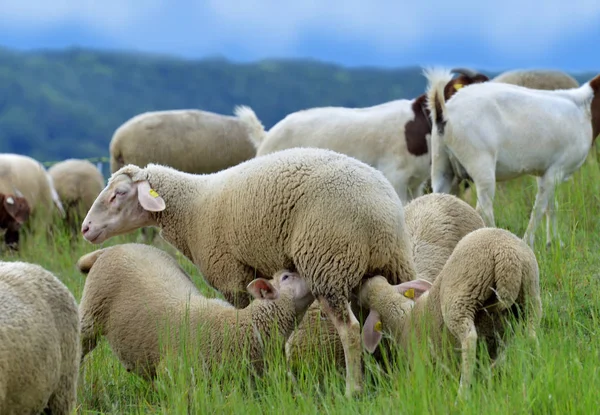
564,377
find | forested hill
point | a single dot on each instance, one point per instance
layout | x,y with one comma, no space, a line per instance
55,105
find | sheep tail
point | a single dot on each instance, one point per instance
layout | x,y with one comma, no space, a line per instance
508,276
86,262
255,129
437,80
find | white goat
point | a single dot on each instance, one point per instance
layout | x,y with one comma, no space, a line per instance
493,132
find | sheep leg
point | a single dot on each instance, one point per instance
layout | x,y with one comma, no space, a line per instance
442,174
469,354
348,328
552,222
545,193
62,401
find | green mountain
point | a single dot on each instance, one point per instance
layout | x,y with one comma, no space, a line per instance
59,104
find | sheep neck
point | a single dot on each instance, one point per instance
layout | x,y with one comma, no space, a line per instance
180,191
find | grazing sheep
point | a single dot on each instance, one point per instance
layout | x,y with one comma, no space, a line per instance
78,183
491,276
434,223
538,79
493,132
192,141
14,211
24,176
392,137
39,341
125,279
330,217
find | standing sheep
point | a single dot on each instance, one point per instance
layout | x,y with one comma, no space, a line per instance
39,341
392,137
14,211
538,79
192,141
435,223
490,277
330,217
78,183
124,279
24,176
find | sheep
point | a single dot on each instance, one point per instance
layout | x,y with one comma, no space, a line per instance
124,279
493,132
392,137
538,79
328,216
39,341
491,276
14,211
23,176
435,223
78,183
189,140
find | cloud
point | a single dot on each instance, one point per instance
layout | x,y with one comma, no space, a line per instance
277,27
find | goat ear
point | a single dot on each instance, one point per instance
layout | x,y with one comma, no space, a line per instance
413,289
371,333
17,209
149,198
262,289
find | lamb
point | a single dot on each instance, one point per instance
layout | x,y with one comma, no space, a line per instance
493,132
39,341
14,211
491,276
189,140
124,279
330,217
26,177
392,137
78,183
538,79
435,223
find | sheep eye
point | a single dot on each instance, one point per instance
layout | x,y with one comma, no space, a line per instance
285,277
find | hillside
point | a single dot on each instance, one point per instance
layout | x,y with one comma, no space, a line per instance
55,105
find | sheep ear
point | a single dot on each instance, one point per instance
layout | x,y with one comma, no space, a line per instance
149,198
262,289
413,289
371,333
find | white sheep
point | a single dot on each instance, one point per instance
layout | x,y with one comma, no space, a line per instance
392,137
189,140
39,341
78,183
493,132
490,277
538,79
132,290
23,176
435,223
330,217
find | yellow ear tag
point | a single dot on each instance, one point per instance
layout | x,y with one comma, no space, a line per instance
377,327
410,293
153,193
458,86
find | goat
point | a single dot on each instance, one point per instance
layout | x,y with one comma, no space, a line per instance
493,132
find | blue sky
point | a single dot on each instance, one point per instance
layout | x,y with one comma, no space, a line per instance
561,34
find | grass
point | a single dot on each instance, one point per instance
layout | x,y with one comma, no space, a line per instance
563,378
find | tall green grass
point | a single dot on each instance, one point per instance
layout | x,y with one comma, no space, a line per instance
563,378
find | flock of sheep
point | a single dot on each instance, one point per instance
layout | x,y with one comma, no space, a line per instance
321,221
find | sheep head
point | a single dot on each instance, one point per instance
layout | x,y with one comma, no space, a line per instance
284,282
14,211
124,205
378,290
